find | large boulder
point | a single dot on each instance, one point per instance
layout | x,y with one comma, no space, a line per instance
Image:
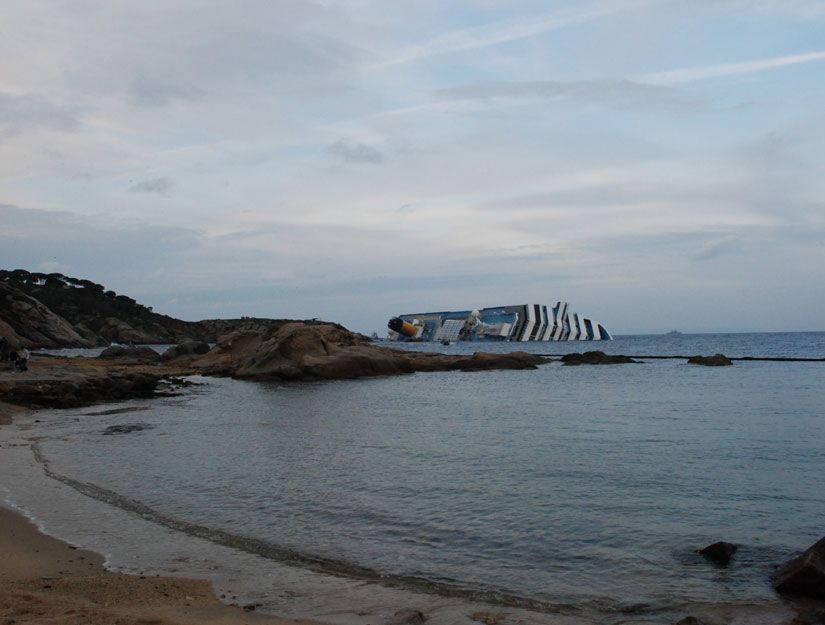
186,349
139,353
595,358
719,553
717,360
804,575
408,617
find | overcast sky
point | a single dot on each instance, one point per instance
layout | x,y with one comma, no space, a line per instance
659,164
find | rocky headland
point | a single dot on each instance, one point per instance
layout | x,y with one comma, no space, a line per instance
40,310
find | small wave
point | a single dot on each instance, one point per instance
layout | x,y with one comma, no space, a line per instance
291,557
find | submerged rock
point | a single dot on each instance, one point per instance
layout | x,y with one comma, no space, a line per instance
804,575
126,429
719,553
595,358
717,360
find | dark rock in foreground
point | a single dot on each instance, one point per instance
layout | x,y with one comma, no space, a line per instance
407,617
126,429
124,352
804,575
717,360
75,391
300,351
595,358
719,553
689,620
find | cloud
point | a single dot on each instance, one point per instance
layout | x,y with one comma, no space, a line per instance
713,248
690,74
160,93
21,113
805,9
355,152
618,93
161,186
508,30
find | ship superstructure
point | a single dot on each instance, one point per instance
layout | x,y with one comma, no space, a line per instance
525,322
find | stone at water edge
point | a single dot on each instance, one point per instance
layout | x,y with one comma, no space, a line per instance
804,575
407,617
187,348
719,553
130,352
595,358
717,360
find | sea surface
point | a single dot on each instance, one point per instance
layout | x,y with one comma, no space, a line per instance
578,489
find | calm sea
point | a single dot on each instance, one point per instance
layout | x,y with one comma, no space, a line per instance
562,487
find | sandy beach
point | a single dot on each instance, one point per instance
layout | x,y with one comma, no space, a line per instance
44,580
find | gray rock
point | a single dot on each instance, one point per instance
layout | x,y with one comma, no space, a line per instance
719,553
189,348
407,617
595,358
717,360
126,428
124,352
804,575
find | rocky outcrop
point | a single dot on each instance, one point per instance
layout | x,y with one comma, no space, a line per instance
189,348
26,322
134,353
595,358
301,351
80,390
717,360
804,575
719,553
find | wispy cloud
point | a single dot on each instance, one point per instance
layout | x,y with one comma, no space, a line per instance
690,74
161,186
716,247
509,30
355,152
618,93
20,113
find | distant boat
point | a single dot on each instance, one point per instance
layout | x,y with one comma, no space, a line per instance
673,333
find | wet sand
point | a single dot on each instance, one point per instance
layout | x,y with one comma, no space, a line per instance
46,581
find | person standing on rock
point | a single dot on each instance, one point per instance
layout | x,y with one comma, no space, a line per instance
23,359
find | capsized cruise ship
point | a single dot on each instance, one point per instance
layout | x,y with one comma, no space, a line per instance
526,322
